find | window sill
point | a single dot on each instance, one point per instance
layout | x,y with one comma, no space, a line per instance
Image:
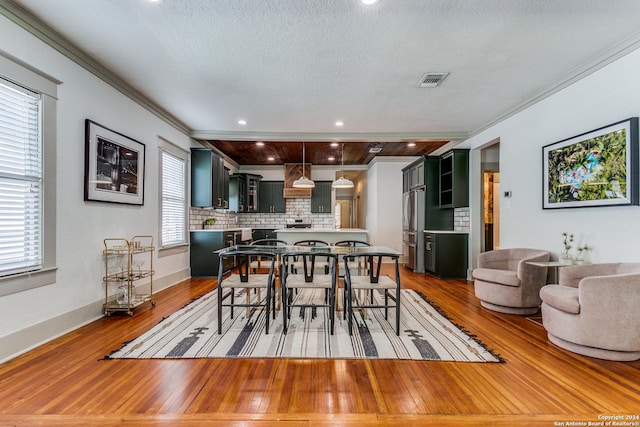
24,281
173,250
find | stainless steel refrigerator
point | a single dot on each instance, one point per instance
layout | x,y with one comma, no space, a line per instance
413,220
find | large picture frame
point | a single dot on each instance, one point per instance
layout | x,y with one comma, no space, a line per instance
596,168
114,166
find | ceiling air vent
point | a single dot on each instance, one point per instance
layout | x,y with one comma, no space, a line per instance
432,79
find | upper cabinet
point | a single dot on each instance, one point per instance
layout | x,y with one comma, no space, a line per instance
209,179
321,197
253,192
454,179
244,192
413,175
237,193
271,197
436,218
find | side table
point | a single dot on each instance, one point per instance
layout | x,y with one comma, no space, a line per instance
553,266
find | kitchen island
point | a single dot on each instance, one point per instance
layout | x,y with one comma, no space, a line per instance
329,235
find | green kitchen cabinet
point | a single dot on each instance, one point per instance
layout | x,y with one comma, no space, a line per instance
436,218
203,260
413,175
454,179
446,254
244,192
321,197
209,179
272,197
263,233
237,193
253,192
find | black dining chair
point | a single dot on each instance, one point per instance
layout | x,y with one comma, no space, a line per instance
308,276
362,268
256,261
242,278
319,262
376,286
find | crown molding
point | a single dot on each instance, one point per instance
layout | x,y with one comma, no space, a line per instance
328,136
57,41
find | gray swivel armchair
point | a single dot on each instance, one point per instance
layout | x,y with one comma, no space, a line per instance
504,282
593,310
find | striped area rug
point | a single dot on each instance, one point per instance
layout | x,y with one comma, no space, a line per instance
191,332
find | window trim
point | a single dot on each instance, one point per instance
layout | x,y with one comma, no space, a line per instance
23,75
166,146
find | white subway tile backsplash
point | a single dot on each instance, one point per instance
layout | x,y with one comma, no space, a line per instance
295,209
462,220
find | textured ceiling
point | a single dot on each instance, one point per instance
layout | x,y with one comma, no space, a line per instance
291,68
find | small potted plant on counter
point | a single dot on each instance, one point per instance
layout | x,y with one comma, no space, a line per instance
209,223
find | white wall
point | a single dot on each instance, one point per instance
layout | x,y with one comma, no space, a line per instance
384,202
29,317
606,96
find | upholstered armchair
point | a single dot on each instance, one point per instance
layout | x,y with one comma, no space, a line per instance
505,282
594,310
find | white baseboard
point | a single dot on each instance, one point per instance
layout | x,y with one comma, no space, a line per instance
26,339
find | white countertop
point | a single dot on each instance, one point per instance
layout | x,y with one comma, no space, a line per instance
445,232
321,230
246,231
224,229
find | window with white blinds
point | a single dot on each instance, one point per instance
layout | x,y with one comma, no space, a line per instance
173,200
20,180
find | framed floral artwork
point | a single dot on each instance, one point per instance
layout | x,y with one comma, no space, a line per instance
596,168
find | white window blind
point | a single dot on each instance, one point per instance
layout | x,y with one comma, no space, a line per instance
173,200
20,180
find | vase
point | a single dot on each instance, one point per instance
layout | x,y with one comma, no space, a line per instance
122,296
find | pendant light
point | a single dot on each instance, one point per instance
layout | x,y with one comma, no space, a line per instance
342,182
303,181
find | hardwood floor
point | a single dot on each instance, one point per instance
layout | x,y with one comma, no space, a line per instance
66,382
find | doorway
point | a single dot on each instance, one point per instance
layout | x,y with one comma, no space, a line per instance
344,213
491,202
491,197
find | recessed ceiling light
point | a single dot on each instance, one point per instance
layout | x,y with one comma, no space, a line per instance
339,123
260,144
242,122
369,1
331,159
411,144
334,144
271,159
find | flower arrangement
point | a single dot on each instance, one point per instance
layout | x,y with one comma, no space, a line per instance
581,250
567,245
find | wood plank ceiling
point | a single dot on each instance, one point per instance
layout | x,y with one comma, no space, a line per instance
317,153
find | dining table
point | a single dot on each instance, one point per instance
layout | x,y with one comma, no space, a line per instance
292,249
281,250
